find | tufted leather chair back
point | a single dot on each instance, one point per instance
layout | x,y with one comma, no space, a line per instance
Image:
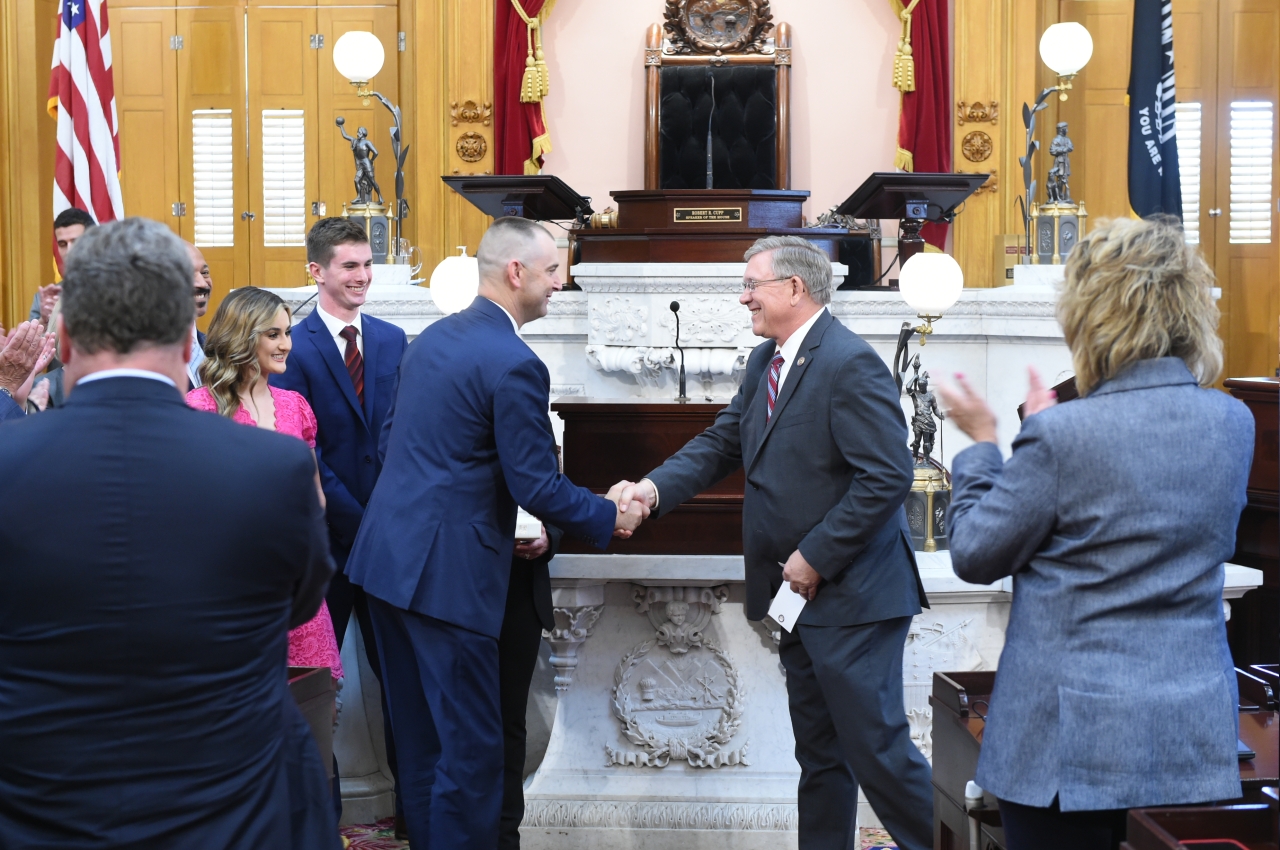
743,127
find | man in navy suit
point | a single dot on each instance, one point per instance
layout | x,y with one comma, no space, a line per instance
145,701
344,364
469,438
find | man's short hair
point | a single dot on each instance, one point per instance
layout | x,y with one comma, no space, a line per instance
793,255
73,215
328,233
508,238
128,284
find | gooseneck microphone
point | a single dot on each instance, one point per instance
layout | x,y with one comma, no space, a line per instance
675,308
711,180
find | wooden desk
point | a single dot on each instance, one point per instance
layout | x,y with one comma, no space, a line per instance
608,440
959,702
1253,826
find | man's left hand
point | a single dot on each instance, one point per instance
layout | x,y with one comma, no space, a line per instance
534,548
804,578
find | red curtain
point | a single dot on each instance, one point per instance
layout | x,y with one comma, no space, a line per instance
924,127
520,136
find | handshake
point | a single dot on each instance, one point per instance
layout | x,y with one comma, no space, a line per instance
634,501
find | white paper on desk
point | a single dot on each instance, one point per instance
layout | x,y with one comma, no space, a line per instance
786,606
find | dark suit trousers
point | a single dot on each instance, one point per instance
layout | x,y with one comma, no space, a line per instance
441,682
844,685
517,658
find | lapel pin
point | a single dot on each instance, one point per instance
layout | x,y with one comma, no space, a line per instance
800,362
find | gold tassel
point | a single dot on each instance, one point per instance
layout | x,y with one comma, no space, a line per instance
904,67
536,83
904,160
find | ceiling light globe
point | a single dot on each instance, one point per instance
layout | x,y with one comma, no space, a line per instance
358,56
455,282
931,283
1066,48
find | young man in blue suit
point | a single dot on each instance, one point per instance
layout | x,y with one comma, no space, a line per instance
469,439
344,363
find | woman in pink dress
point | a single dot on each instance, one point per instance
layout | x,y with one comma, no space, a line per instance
248,340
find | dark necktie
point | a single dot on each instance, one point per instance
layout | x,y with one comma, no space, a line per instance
355,363
775,369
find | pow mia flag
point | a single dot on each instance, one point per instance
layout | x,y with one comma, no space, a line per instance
1154,186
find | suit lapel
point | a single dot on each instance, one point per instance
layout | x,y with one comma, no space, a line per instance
803,361
328,349
370,367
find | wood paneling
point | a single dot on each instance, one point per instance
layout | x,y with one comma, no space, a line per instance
978,79
146,85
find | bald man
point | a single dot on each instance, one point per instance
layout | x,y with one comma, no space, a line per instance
468,439
202,288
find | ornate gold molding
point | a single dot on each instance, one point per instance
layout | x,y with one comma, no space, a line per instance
469,112
992,185
977,112
976,146
471,147
717,26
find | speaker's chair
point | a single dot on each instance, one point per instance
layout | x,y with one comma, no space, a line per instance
734,45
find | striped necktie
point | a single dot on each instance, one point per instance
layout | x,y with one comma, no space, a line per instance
775,369
355,362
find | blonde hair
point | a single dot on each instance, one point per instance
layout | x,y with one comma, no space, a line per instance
1134,291
231,345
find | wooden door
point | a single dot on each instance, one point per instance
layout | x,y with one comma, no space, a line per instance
337,98
145,73
1246,257
283,141
214,142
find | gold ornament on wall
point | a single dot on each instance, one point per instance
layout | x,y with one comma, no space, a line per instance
992,184
977,112
976,146
471,147
469,112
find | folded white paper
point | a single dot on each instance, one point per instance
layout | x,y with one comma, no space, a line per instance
786,606
528,526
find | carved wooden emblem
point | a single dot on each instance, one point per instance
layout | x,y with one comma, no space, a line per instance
976,146
470,112
718,26
471,147
977,112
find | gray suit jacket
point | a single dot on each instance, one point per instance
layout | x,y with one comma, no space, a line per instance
1114,517
827,475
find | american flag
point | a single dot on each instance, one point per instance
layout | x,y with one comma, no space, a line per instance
82,98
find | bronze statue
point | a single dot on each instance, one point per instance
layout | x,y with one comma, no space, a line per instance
365,153
923,428
1057,187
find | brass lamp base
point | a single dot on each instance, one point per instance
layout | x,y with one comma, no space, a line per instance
926,506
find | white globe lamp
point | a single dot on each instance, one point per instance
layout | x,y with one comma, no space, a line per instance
1066,48
455,282
931,284
358,56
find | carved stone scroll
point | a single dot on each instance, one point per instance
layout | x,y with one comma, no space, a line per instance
573,627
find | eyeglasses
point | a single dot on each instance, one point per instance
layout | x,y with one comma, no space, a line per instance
749,285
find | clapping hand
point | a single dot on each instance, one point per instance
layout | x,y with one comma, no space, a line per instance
968,411
1038,396
25,352
48,297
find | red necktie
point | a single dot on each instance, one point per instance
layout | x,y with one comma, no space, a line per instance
355,363
775,369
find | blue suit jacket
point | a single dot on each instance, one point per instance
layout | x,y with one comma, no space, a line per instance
144,701
1114,516
347,432
468,439
9,409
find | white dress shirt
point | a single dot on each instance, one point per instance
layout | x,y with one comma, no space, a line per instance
335,325
197,357
791,348
514,326
126,373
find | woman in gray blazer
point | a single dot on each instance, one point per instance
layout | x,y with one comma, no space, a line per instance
1114,516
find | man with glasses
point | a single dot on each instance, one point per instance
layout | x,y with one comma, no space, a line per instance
818,428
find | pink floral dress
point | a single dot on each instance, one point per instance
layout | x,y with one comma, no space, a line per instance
312,644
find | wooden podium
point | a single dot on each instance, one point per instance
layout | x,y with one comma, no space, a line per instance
608,440
698,226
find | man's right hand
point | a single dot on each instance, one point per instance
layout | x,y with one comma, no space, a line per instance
21,352
48,297
626,492
629,520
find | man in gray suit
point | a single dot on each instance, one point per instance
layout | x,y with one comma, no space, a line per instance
819,430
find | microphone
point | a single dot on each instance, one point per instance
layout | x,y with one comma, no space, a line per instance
675,308
711,183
